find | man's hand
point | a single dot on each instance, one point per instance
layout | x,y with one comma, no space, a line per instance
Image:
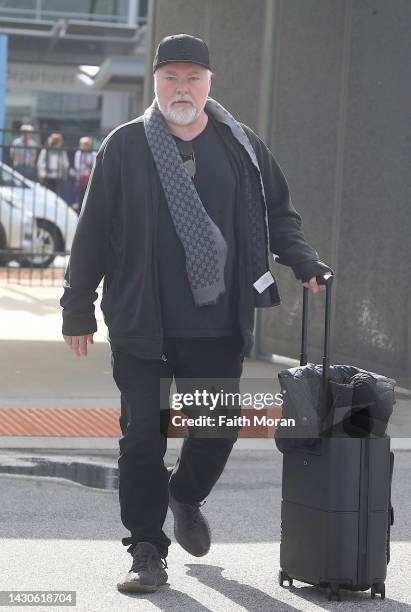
313,286
78,344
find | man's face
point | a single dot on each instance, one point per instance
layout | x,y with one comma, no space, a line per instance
181,91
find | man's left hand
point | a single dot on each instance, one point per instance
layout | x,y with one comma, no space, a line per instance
313,286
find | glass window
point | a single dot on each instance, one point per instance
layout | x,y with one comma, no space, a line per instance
143,8
105,10
17,4
94,10
9,179
24,9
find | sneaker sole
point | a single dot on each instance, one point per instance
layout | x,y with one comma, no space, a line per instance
134,587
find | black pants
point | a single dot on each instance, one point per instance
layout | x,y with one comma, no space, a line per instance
143,478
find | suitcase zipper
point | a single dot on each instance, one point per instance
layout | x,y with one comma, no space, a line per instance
363,514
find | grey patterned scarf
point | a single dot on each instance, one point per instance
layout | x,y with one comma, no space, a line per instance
204,245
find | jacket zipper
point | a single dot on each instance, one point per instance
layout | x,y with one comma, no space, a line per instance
155,264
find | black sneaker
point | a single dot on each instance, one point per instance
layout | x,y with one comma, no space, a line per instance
191,528
147,572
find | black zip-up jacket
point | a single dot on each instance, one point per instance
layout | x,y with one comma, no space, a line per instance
116,238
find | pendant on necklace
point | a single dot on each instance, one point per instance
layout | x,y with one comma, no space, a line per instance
190,166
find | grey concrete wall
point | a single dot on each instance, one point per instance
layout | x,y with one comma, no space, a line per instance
234,56
327,85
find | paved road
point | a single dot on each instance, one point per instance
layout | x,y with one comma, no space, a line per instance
60,535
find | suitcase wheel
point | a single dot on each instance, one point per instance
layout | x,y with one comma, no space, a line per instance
282,575
333,592
378,587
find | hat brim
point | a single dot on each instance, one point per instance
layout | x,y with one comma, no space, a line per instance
180,61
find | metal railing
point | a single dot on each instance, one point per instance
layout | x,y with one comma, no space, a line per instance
41,191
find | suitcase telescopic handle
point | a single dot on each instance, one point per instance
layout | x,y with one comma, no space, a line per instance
322,279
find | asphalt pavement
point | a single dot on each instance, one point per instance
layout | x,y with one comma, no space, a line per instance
59,534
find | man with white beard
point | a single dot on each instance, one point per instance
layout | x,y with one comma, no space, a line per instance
183,208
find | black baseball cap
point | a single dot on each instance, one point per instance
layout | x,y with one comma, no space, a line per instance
182,48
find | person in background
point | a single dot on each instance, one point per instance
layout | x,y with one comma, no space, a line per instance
84,159
53,164
23,152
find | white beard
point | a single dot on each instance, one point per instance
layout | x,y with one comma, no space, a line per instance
183,116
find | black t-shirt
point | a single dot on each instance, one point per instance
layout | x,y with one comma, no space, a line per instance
215,181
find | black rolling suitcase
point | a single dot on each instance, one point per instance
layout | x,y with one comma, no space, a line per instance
336,488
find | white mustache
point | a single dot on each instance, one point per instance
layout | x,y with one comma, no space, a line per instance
181,100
